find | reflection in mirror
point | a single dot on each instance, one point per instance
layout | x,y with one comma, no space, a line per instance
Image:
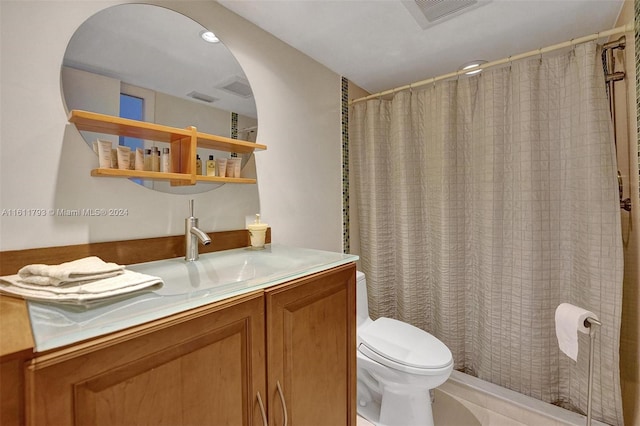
152,64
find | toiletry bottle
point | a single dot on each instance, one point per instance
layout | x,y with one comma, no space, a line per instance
230,169
104,153
147,160
198,165
211,166
257,232
132,160
166,161
139,162
155,160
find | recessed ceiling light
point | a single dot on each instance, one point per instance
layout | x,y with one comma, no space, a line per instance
209,37
473,67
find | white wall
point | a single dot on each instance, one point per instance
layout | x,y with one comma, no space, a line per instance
45,164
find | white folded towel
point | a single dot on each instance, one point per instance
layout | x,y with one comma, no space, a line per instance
81,292
88,268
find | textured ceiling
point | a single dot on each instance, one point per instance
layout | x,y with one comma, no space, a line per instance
379,45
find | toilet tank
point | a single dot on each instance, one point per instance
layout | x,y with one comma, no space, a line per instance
362,304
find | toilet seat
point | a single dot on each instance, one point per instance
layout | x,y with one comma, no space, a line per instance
403,347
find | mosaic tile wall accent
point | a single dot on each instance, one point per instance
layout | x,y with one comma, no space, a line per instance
234,125
636,21
346,247
234,129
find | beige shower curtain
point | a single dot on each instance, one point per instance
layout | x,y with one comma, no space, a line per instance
487,201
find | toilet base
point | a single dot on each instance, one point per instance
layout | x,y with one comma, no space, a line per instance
397,407
402,408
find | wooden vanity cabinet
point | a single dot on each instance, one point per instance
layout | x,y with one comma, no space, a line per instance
292,344
203,367
311,343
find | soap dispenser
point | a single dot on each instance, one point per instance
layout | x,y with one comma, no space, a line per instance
257,233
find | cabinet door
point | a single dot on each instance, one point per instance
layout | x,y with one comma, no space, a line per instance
202,367
311,327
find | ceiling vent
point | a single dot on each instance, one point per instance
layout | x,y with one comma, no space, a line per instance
202,97
431,12
237,86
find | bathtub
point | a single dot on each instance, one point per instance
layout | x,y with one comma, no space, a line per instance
465,400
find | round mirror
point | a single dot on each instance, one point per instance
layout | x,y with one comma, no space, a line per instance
153,64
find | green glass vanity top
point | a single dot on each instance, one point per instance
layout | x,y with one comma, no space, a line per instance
187,285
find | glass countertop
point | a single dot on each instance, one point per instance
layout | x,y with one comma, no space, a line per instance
187,285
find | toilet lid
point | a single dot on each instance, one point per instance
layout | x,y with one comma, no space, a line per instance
405,344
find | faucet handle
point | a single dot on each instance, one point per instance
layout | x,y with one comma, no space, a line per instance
191,207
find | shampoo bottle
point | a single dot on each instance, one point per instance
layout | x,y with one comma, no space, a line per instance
198,165
211,166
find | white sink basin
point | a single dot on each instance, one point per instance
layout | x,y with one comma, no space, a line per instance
187,285
230,270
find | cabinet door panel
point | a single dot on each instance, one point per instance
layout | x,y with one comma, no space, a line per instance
202,368
311,349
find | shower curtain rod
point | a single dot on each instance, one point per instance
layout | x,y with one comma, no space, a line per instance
570,43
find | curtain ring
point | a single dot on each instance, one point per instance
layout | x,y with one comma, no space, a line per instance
540,54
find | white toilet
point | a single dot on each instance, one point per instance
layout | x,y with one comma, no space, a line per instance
398,364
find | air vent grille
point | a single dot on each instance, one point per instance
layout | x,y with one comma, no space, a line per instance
431,12
202,97
238,87
434,10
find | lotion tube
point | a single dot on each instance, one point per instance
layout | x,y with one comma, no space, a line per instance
139,159
237,166
124,157
230,169
104,154
221,166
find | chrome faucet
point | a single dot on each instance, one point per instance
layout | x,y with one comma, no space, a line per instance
191,235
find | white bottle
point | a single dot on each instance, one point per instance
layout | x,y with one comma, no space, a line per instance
147,160
155,160
166,161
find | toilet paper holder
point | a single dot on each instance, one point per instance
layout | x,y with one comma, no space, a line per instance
589,323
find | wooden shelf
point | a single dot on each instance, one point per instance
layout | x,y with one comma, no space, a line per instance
101,123
185,178
222,143
184,144
224,179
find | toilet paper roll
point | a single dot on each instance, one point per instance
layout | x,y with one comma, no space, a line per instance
569,321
